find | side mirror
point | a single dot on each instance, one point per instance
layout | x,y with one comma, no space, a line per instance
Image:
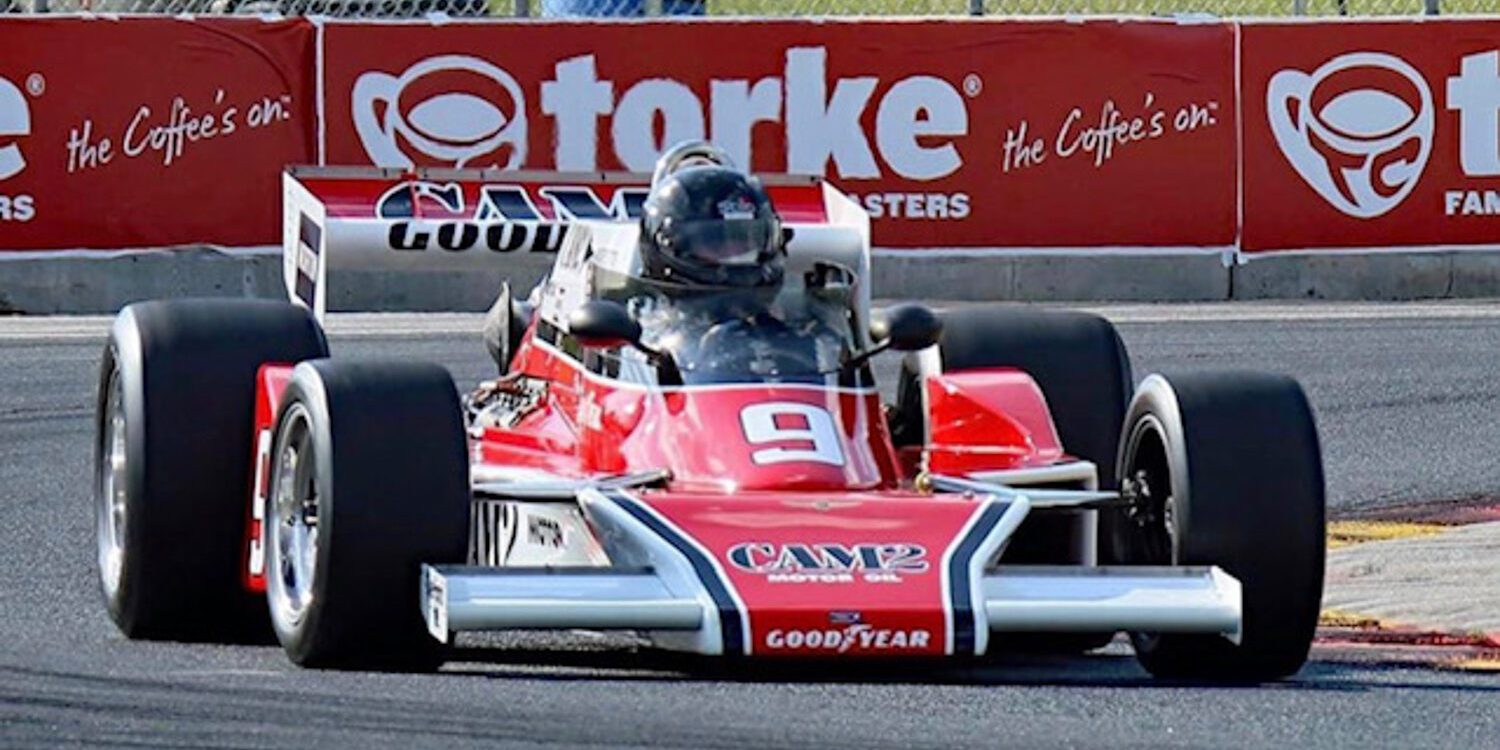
602,324
908,328
904,328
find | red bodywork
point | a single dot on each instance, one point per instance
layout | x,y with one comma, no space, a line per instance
804,520
807,437
270,383
986,420
794,491
860,575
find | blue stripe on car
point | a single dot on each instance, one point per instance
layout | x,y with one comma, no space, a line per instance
958,577
731,627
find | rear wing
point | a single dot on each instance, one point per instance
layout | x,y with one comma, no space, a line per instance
337,218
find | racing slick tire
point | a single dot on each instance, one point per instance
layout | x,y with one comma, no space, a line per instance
1226,470
173,462
369,480
1083,369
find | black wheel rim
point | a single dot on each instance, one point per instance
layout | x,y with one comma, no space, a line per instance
1147,484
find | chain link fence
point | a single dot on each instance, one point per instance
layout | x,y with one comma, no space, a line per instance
758,8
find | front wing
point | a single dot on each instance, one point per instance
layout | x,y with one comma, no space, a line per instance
723,578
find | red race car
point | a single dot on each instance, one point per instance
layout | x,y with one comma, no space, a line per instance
685,440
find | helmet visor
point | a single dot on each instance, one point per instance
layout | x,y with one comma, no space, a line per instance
725,242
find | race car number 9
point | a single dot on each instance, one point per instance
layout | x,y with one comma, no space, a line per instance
809,428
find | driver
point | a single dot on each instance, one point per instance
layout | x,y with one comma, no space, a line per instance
711,232
708,225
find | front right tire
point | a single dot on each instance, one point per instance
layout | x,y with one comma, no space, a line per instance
1225,469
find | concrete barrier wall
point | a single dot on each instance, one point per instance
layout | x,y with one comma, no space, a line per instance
91,284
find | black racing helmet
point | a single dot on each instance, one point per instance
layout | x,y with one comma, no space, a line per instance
707,224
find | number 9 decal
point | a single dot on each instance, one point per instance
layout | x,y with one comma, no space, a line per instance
814,430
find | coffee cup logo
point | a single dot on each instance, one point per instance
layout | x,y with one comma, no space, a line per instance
446,111
1358,129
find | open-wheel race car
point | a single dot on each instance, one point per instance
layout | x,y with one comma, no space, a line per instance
685,440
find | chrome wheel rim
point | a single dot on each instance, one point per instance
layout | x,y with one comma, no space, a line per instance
109,498
292,522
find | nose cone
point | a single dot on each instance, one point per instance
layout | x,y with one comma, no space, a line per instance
741,438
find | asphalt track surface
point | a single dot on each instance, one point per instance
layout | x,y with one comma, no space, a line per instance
1406,396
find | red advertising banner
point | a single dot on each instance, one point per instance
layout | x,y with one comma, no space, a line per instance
975,134
146,132
951,134
1371,134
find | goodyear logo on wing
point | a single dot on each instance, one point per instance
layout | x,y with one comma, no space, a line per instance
830,562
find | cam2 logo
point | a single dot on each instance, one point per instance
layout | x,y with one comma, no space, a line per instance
829,562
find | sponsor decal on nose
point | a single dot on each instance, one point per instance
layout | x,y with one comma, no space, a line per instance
856,637
829,563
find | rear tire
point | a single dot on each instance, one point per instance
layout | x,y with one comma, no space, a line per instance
1229,472
370,479
1076,358
173,461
